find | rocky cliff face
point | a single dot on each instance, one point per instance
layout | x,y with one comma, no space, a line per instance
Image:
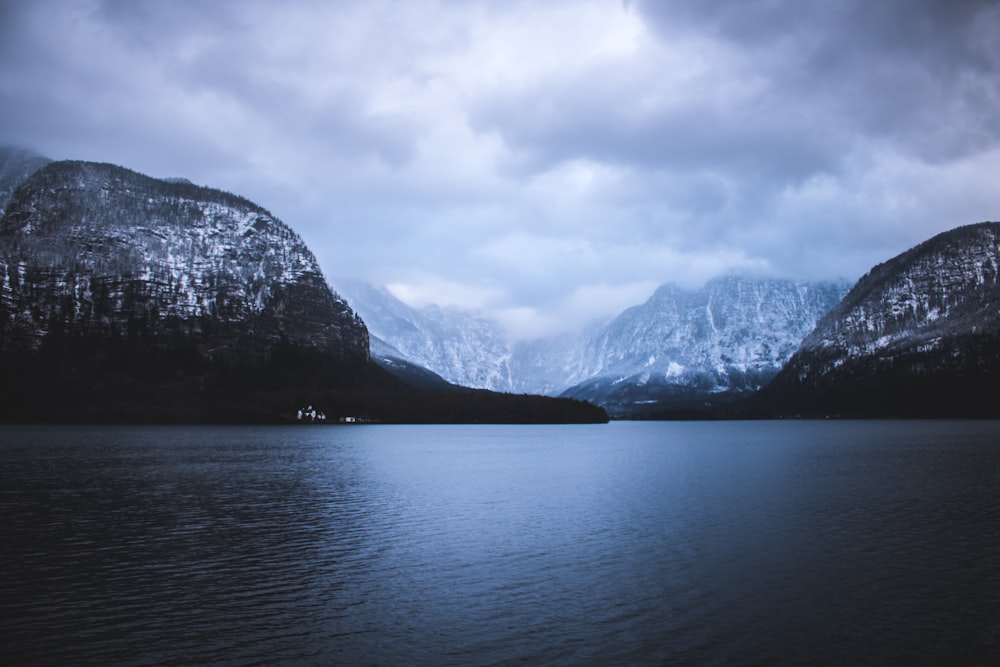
461,348
919,334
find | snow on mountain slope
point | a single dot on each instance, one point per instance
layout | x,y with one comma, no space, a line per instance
731,325
460,347
731,336
948,284
98,249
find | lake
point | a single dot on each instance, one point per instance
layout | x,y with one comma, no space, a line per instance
744,543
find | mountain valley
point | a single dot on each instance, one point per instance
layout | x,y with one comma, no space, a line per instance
680,349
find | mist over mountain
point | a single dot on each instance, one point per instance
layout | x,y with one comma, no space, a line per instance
549,365
461,347
16,165
919,335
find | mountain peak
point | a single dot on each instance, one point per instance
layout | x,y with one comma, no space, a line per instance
685,346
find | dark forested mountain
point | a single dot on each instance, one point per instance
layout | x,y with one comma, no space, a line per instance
684,349
919,335
102,250
109,277
124,297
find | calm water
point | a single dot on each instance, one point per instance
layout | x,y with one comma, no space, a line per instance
629,543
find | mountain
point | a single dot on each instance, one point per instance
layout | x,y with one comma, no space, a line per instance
550,365
16,165
393,361
103,268
128,298
460,347
919,335
679,349
105,249
685,348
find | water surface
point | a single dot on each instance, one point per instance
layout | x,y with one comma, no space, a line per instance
628,543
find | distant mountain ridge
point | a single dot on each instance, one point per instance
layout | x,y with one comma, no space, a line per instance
728,338
460,347
918,335
683,348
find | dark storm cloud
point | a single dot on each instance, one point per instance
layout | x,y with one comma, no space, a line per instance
932,30
815,118
895,68
752,137
921,74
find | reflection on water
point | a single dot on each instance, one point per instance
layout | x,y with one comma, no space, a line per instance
743,543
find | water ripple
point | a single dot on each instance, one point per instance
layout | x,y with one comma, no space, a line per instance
761,543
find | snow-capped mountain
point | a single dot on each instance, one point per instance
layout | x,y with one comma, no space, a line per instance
548,365
123,296
919,334
462,348
731,336
686,346
100,248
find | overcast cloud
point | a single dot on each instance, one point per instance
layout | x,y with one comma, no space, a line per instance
543,162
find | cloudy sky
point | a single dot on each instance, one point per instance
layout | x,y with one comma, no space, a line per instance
542,162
